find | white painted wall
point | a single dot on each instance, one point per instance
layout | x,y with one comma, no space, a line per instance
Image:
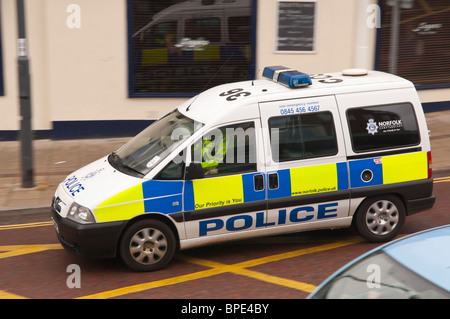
82,73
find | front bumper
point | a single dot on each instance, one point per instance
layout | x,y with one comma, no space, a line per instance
98,240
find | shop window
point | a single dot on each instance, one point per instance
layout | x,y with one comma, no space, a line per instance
181,48
424,43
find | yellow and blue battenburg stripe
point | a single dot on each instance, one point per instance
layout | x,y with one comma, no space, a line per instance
151,196
166,197
310,180
221,191
389,169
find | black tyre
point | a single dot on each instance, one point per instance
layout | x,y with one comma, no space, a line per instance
147,245
380,218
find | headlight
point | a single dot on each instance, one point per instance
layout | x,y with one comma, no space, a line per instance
80,214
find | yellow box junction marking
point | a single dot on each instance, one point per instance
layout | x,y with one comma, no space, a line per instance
218,268
17,250
8,295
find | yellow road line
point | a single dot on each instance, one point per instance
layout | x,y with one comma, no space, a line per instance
7,295
276,280
28,225
237,269
441,179
296,253
154,284
17,250
218,268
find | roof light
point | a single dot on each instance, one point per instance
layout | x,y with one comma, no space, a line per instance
288,77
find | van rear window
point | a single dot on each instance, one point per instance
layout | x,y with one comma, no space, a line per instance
383,127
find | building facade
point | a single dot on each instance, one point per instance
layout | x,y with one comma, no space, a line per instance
103,68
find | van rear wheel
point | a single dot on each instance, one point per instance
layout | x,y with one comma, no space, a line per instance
147,245
380,218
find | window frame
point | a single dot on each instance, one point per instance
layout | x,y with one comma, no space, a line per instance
305,157
201,20
2,88
359,151
182,164
254,126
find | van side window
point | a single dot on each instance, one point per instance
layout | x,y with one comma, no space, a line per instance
302,136
383,127
239,29
174,170
163,35
227,150
206,28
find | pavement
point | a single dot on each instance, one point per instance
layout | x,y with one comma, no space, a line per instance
55,159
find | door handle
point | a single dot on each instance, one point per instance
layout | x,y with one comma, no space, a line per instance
273,181
258,182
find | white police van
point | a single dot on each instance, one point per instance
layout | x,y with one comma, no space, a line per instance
286,154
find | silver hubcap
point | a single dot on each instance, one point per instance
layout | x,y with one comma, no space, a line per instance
148,246
382,217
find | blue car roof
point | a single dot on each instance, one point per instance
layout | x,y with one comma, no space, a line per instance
427,253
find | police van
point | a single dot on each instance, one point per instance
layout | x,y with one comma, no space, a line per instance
289,153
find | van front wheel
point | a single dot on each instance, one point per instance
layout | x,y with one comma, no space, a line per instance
147,245
380,218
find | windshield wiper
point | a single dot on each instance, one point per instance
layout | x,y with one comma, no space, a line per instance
133,170
117,162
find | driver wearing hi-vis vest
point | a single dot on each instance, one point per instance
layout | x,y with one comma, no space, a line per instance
214,149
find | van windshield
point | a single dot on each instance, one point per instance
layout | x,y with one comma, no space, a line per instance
141,154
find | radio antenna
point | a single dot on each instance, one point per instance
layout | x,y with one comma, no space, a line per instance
215,74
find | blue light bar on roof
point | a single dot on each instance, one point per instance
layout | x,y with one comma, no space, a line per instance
269,71
289,77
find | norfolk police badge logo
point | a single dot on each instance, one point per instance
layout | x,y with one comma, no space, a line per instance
372,127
